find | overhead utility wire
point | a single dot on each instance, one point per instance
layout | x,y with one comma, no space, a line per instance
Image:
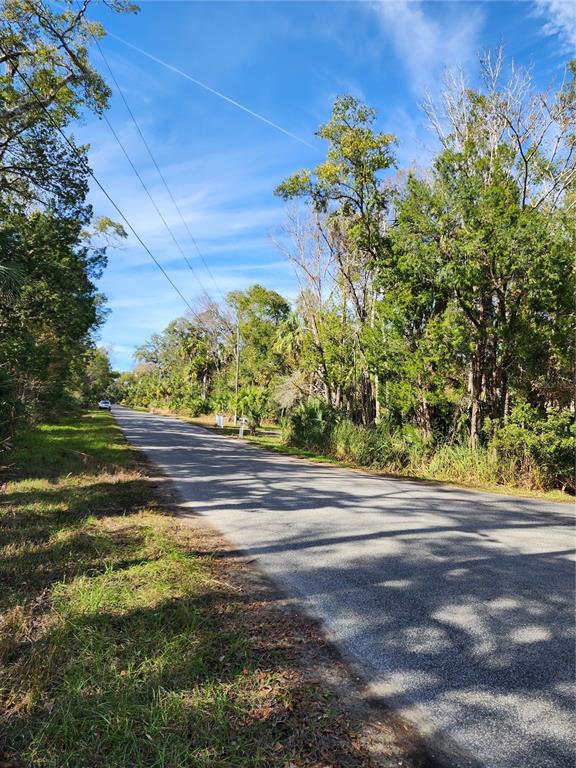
151,155
74,148
211,90
154,203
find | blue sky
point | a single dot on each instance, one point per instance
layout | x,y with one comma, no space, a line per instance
286,61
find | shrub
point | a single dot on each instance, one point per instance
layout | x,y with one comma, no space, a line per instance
310,425
253,403
530,450
222,399
195,406
540,449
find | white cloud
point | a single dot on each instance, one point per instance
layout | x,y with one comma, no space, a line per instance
560,18
425,44
225,198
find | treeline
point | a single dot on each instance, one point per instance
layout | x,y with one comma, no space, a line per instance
52,250
434,328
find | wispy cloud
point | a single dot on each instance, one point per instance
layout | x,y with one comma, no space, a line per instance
560,19
427,44
225,197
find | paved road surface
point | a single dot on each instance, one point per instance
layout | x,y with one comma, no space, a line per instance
456,602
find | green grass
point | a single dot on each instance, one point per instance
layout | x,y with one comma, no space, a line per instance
122,643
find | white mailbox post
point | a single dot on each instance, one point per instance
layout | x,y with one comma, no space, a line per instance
243,423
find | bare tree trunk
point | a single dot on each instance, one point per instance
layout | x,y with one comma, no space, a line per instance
425,417
375,383
505,399
367,400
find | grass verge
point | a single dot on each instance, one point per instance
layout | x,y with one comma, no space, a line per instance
125,641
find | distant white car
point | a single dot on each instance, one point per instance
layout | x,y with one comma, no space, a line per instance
105,405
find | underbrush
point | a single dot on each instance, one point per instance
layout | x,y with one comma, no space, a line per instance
530,451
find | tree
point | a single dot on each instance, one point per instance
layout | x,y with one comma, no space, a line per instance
46,80
49,259
447,301
259,313
487,240
349,189
537,128
45,327
98,376
180,366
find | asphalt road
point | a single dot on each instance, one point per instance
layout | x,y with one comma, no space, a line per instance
457,605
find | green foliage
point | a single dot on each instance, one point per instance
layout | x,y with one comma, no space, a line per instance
46,81
45,325
348,189
183,367
49,260
353,442
310,425
431,305
194,406
97,376
252,404
533,443
382,446
530,450
259,313
349,175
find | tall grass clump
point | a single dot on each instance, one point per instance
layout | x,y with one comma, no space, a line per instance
317,427
352,443
462,463
382,446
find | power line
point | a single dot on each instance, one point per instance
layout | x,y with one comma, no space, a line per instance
99,184
158,169
156,207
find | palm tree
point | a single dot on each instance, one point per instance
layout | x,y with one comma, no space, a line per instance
11,278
